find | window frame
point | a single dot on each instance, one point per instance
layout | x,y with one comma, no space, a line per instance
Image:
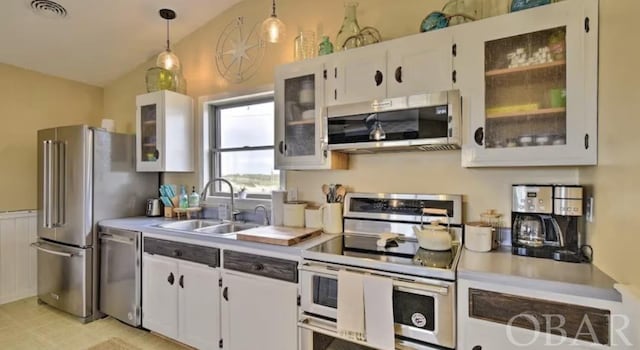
211,114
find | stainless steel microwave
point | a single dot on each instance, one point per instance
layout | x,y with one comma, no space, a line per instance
424,122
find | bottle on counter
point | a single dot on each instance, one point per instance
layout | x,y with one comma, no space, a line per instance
184,198
194,198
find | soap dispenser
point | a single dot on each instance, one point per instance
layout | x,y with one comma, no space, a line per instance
194,198
184,198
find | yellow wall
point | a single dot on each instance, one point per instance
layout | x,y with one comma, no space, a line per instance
30,101
616,180
415,172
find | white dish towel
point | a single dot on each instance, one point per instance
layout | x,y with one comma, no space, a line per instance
378,310
351,305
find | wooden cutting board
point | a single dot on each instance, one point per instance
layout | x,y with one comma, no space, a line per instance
278,235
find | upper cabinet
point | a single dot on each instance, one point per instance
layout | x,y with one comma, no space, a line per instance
408,66
300,123
164,132
529,86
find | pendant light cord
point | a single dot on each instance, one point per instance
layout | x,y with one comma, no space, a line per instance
273,12
168,47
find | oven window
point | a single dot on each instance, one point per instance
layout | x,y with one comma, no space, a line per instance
325,342
413,310
419,123
325,291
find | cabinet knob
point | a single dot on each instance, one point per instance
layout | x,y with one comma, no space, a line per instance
399,74
171,278
258,267
478,136
378,78
181,281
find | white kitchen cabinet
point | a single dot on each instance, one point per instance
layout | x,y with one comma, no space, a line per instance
181,300
421,63
358,75
529,86
482,305
258,313
160,295
407,66
164,132
199,305
300,126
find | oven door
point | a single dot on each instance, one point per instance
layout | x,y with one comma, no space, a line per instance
423,309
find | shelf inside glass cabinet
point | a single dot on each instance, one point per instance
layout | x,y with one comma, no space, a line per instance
526,89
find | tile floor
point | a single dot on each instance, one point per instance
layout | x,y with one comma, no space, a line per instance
25,325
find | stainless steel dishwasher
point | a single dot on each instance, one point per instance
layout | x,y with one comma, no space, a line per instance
120,274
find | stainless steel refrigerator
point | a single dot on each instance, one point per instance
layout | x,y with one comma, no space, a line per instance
84,175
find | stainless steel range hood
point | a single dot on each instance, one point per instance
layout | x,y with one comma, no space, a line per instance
425,122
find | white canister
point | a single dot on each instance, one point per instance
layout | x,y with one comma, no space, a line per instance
478,237
332,218
293,214
313,217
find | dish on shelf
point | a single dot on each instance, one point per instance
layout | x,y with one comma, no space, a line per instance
525,140
309,114
542,140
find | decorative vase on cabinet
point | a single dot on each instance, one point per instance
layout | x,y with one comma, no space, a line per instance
164,132
533,99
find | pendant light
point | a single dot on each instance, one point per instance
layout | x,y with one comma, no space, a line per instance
273,28
167,59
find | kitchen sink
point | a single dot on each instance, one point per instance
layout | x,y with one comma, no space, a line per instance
190,225
229,227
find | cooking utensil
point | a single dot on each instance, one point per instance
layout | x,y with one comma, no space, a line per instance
325,190
340,193
434,236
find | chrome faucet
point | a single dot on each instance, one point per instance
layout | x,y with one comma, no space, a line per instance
266,216
203,195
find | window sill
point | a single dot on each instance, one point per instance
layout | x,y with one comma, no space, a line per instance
240,204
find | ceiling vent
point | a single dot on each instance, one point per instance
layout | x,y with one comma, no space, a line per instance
48,8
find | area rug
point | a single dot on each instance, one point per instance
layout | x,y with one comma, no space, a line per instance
114,344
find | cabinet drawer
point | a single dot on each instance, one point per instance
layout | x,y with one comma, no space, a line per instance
183,251
541,315
265,266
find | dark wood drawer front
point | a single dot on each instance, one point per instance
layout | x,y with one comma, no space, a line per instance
183,251
265,266
542,315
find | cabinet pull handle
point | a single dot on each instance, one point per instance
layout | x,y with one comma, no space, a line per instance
378,78
477,347
171,278
225,293
586,141
399,74
177,253
454,76
281,147
258,267
181,281
156,154
478,136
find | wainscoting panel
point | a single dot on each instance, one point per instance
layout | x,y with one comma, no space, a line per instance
18,261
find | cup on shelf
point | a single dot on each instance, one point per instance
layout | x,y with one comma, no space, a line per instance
557,98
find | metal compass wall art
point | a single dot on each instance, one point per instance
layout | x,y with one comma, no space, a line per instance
239,51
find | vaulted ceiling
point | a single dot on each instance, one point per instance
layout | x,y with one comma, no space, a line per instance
98,40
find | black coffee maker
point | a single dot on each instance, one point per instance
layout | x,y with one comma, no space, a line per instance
547,222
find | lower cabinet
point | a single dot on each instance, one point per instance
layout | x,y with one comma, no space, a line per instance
500,317
181,300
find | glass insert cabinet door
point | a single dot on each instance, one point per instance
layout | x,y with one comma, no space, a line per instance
300,116
149,133
529,86
300,136
526,90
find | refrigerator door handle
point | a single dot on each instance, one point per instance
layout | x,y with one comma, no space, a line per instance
47,196
61,159
54,252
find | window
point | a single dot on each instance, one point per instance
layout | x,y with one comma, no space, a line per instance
242,139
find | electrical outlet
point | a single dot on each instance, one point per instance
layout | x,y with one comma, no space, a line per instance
292,194
589,210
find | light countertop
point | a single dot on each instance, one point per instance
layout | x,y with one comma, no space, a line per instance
502,267
148,226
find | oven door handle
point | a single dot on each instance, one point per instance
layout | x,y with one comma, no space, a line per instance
420,288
